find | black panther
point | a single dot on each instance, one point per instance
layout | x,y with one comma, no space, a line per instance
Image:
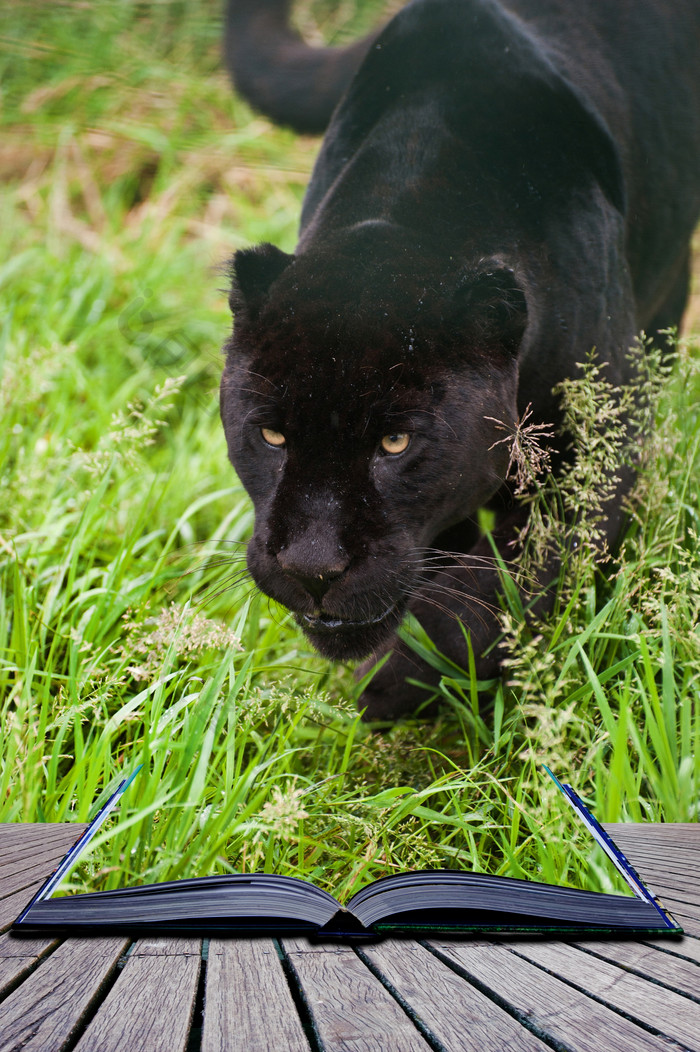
503,186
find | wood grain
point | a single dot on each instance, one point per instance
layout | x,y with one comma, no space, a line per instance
29,853
661,1009
46,855
28,836
46,1010
248,1003
18,956
150,1005
676,833
27,874
351,1009
686,946
650,961
665,883
457,1014
671,870
677,857
555,1010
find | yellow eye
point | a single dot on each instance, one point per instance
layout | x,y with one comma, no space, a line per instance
273,438
396,442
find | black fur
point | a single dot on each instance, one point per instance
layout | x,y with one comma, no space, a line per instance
503,187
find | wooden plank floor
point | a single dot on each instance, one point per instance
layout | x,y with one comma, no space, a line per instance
254,995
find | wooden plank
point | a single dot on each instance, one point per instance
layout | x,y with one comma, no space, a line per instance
661,1009
248,1004
33,833
685,886
12,905
662,882
45,1012
31,847
674,901
17,957
12,946
687,916
644,842
43,859
458,1015
663,877
674,848
23,874
676,866
648,961
351,1009
656,849
151,1004
656,832
686,946
556,1011
655,871
24,841
675,854
27,874
649,845
167,946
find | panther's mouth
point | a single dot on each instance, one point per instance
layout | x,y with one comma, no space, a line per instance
343,639
326,623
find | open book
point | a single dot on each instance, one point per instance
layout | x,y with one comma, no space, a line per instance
425,901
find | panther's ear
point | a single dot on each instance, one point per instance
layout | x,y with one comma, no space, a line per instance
491,309
253,270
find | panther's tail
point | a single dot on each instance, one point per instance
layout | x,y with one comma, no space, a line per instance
278,73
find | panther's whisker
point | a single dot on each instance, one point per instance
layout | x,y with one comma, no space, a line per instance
211,594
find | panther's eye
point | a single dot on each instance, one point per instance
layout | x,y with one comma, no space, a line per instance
273,438
396,442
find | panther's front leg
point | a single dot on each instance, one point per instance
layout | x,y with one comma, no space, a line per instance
463,600
460,600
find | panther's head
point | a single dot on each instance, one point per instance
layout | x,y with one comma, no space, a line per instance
358,399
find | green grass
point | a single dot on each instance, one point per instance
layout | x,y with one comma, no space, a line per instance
130,173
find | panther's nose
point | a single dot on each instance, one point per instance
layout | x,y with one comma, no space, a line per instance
314,566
